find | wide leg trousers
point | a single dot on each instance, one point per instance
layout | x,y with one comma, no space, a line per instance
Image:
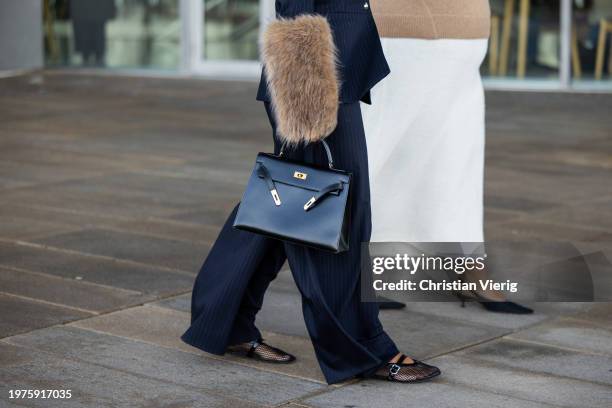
346,333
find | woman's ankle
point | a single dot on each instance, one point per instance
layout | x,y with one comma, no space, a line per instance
396,358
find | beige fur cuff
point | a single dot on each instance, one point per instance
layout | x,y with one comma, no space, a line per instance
299,59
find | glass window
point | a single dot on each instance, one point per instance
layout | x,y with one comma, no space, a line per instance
591,41
525,40
231,29
112,33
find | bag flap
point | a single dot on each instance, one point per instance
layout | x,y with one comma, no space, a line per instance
301,175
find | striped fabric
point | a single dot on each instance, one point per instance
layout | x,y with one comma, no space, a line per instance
347,335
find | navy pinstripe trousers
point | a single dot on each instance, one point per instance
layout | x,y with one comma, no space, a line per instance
347,335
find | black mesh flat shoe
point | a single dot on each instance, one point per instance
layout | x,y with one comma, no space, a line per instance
258,350
414,372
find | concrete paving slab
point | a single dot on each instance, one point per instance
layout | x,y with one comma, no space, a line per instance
12,405
78,162
438,394
14,182
556,309
598,313
306,364
142,278
93,385
35,214
33,222
22,315
282,313
72,293
164,327
181,303
236,172
165,364
22,228
214,217
423,336
92,203
164,229
162,189
174,254
471,313
102,187
147,323
572,334
539,187
34,174
284,281
598,213
520,204
296,405
494,216
544,359
529,227
522,384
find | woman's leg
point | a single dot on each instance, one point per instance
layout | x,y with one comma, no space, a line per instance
347,336
229,289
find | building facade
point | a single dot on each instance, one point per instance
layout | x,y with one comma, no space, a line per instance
535,44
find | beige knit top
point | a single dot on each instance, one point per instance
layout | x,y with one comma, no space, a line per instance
432,19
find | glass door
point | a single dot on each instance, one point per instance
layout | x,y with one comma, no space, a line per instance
224,36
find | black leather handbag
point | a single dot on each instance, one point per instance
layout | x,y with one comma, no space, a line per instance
296,202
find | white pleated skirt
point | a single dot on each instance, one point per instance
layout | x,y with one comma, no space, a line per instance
425,132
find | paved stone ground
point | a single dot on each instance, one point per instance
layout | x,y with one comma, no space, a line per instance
112,190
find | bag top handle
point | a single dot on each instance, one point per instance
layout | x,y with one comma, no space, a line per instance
330,160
